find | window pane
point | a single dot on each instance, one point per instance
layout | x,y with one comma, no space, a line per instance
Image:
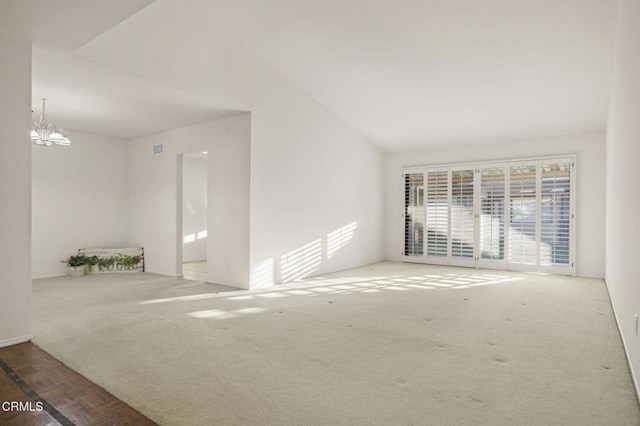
555,213
437,213
462,214
413,214
524,211
492,193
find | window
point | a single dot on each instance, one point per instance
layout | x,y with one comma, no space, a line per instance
413,214
514,215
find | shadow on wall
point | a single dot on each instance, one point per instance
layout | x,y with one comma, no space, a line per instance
303,261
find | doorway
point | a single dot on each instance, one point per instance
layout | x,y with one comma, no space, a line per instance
194,216
515,215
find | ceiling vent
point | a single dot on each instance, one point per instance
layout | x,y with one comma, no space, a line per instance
158,149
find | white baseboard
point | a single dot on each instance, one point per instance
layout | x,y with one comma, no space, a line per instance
15,340
163,274
49,276
228,285
346,268
634,378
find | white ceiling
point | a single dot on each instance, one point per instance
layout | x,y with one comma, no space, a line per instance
409,73
63,24
90,98
404,73
86,97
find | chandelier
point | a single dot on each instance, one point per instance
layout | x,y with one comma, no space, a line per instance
43,133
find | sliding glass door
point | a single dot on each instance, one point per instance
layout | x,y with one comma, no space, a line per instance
515,215
491,212
437,207
555,216
463,217
414,215
523,216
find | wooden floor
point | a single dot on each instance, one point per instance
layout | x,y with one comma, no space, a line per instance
53,394
196,271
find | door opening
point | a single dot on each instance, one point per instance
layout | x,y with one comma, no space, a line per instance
194,216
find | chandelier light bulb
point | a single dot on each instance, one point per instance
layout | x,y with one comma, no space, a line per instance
47,134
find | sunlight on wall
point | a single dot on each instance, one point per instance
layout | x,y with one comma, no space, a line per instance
261,274
192,237
302,261
339,238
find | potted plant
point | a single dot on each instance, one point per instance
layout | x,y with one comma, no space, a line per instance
120,261
134,261
106,263
76,264
92,264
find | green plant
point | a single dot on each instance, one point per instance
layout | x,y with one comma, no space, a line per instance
134,261
75,261
106,262
93,260
121,260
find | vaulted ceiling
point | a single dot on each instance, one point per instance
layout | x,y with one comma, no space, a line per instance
406,74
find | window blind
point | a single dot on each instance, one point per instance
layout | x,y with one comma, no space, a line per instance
413,214
462,213
492,220
523,209
438,213
555,193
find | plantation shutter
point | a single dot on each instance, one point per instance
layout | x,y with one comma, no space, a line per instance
515,215
438,213
413,214
462,214
492,214
523,214
555,206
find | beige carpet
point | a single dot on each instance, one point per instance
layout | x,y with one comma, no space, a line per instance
385,344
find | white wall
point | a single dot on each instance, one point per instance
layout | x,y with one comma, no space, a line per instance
623,177
155,190
194,208
80,198
590,188
311,174
15,192
316,192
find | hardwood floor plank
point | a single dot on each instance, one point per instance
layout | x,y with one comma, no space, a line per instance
30,375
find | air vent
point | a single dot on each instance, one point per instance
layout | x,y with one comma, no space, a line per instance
158,149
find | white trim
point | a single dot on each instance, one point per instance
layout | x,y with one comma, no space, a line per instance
634,378
15,340
411,168
49,276
507,164
572,223
163,274
226,284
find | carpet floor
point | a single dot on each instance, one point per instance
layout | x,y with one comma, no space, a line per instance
387,344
